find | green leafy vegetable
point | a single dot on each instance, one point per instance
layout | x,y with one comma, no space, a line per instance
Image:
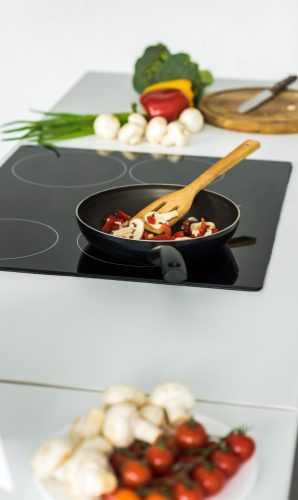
157,64
147,66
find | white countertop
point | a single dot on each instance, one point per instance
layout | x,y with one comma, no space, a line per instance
31,415
64,330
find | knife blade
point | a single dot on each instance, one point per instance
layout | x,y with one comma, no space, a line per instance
264,96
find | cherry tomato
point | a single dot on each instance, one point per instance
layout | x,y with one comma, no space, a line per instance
159,457
155,495
243,446
182,491
211,478
134,474
190,434
227,462
121,494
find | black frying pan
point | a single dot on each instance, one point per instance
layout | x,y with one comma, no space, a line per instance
169,255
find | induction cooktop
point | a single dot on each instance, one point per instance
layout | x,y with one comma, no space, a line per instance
39,192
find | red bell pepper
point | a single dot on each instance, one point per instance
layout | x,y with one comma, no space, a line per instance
179,234
167,230
168,103
162,237
107,227
151,219
122,215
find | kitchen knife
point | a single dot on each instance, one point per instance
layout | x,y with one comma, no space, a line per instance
265,95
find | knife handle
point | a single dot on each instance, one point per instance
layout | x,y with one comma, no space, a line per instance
283,84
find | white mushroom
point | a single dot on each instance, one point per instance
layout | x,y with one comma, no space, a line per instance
160,219
146,431
87,426
98,444
106,126
68,470
131,133
176,135
156,129
153,414
87,473
134,231
93,481
192,120
196,227
175,398
119,424
138,119
49,456
122,393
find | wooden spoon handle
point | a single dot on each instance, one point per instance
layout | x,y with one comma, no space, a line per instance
222,166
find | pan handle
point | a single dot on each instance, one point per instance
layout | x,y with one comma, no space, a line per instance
170,260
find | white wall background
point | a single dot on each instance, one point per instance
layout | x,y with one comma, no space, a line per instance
47,44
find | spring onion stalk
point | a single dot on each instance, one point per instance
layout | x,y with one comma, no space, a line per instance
53,127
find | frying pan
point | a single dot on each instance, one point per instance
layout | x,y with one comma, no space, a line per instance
169,255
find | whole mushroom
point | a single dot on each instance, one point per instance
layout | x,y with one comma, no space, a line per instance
192,120
138,119
97,443
176,135
119,424
87,426
49,456
122,393
176,398
146,431
156,129
153,414
131,133
106,126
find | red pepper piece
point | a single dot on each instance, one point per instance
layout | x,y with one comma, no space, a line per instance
151,219
162,237
122,215
166,228
168,103
203,227
145,235
215,230
107,227
179,234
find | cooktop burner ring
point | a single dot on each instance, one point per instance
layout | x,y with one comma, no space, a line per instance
123,264
52,241
169,170
33,162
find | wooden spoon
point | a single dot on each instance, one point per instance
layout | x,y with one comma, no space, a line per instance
182,199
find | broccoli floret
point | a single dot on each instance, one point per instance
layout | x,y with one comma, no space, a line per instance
147,66
157,65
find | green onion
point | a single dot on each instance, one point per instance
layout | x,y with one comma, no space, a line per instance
54,127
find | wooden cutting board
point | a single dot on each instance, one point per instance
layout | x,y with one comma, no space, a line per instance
277,116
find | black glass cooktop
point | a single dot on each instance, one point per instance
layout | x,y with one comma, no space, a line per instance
39,192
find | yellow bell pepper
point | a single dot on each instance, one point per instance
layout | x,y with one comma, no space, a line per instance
181,84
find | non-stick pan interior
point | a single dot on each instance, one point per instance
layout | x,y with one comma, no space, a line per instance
212,206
